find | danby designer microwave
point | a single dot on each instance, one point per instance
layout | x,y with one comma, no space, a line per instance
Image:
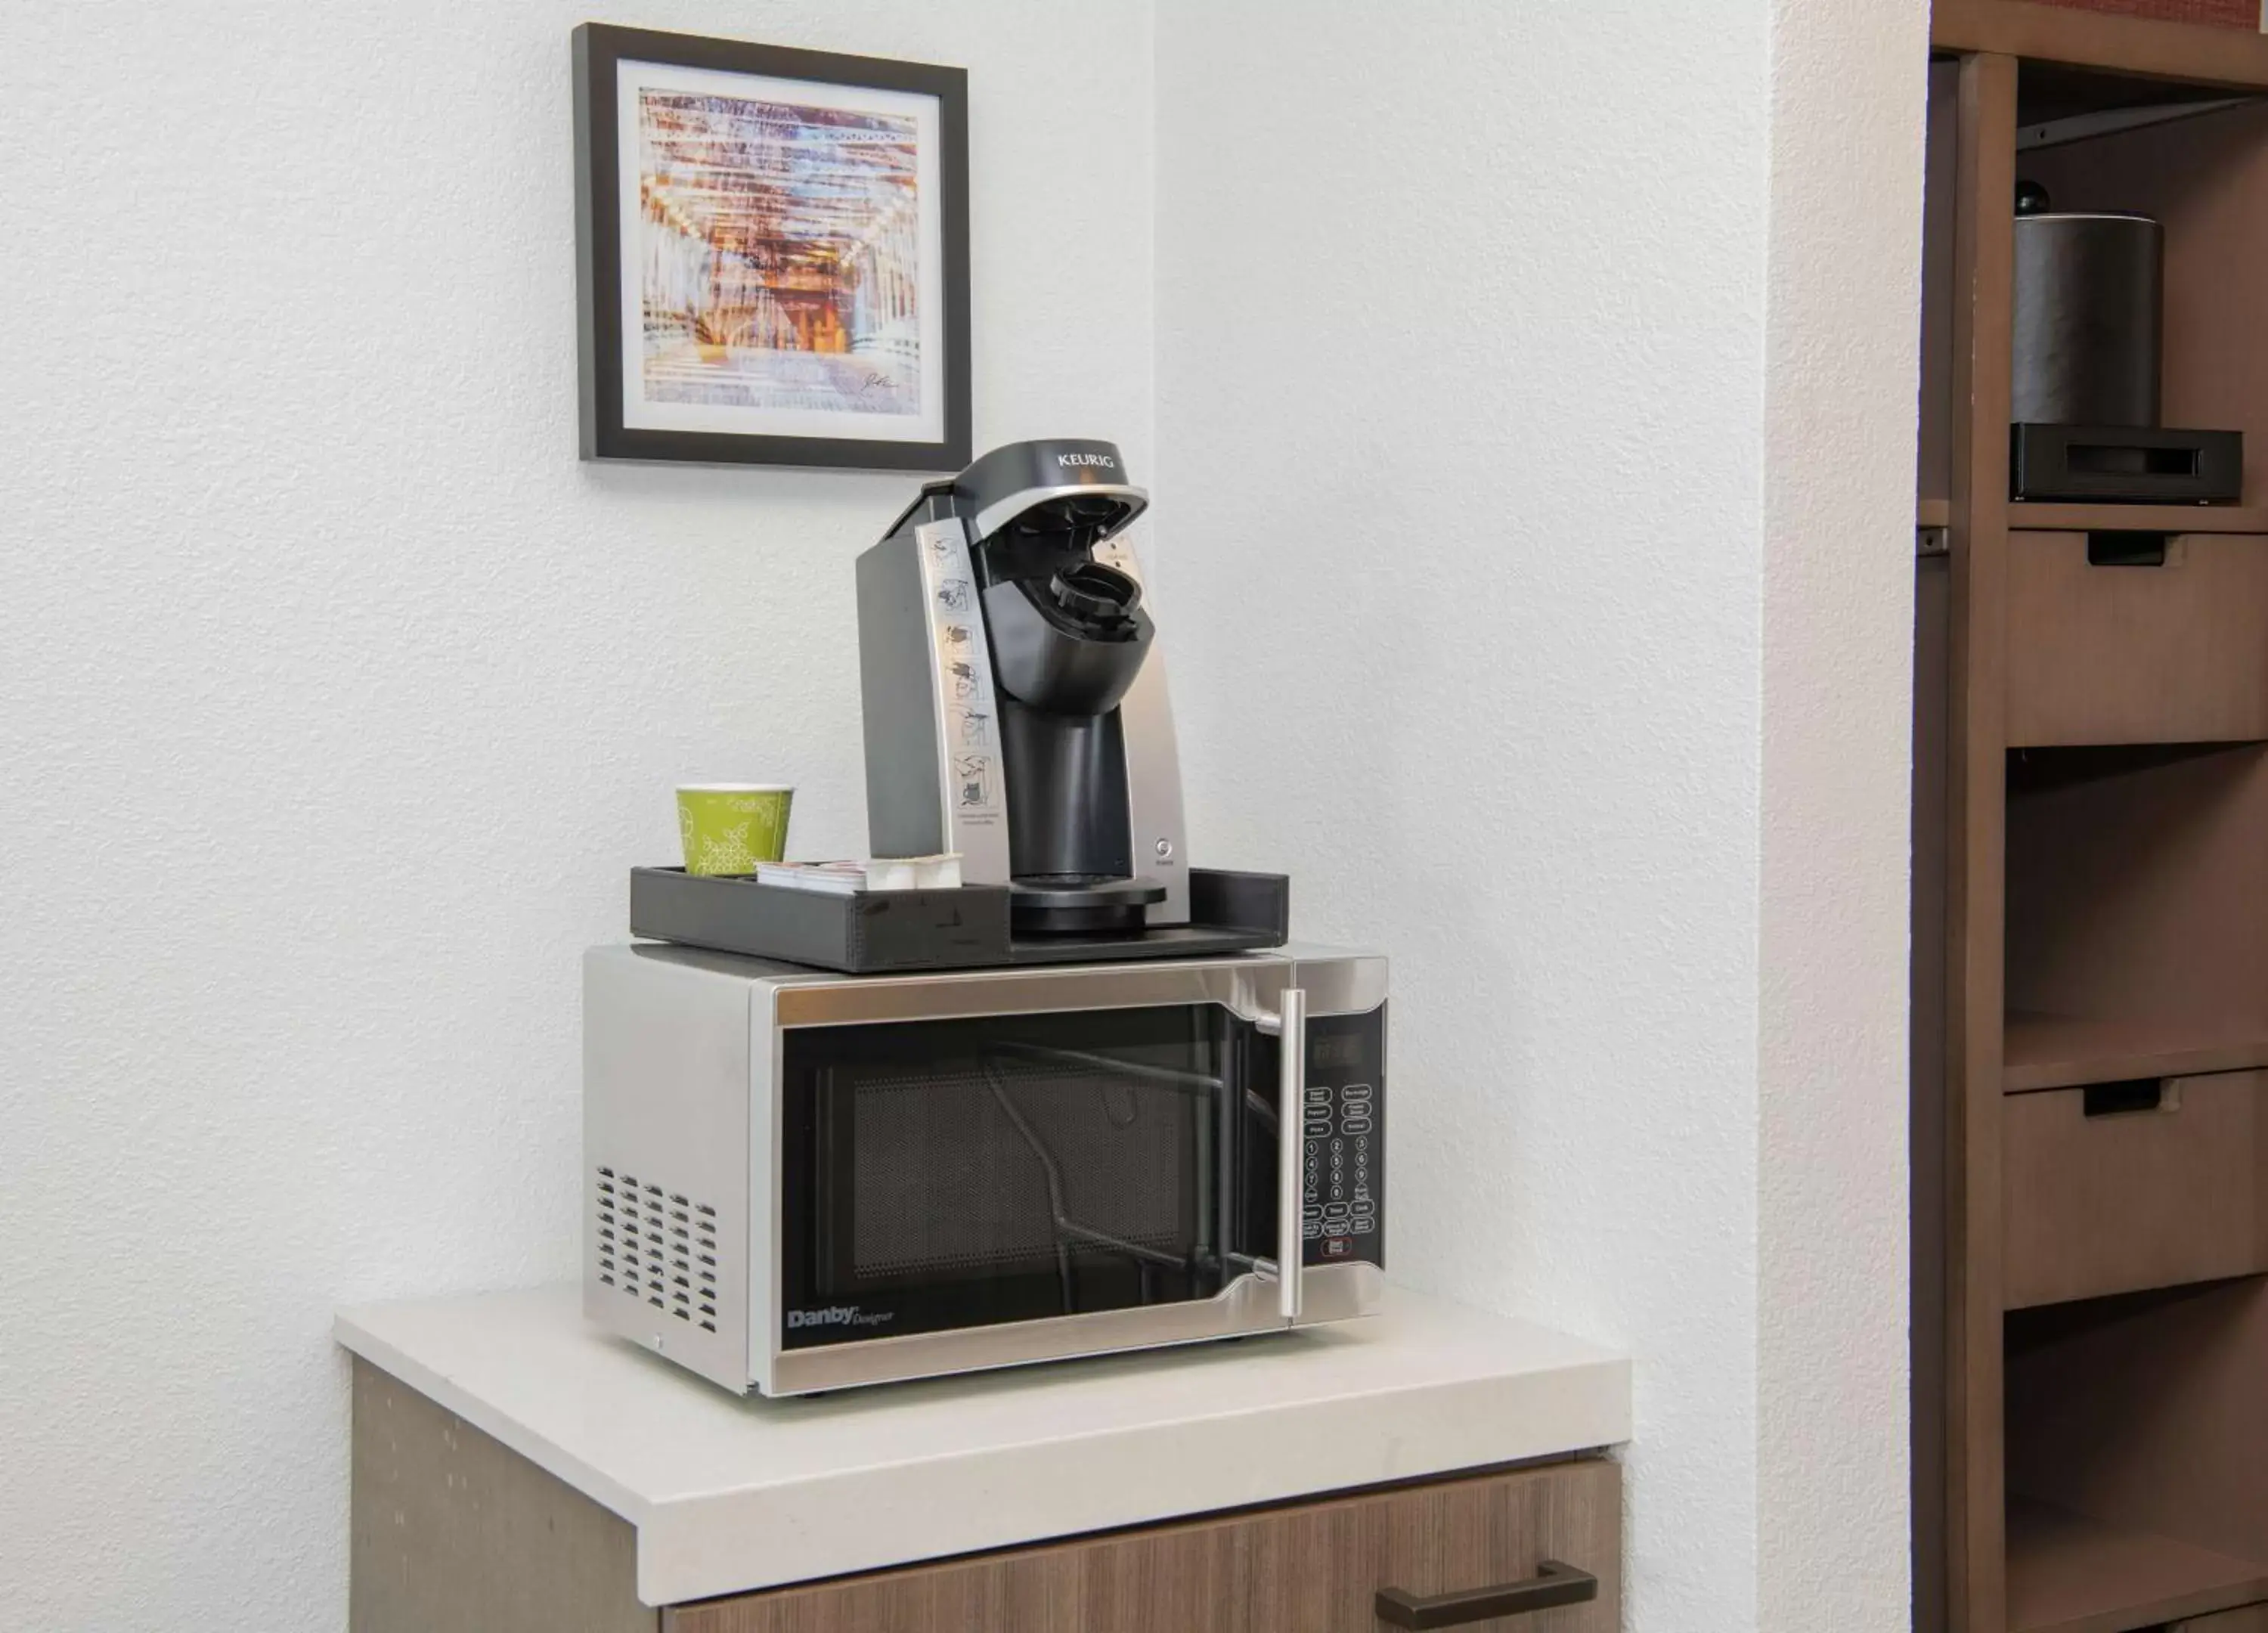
797,1180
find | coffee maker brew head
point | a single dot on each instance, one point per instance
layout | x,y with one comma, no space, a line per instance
1066,493
1068,632
1015,705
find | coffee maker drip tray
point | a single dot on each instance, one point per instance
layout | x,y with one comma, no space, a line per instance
877,931
1070,904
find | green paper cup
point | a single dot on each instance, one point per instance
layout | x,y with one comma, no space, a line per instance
728,828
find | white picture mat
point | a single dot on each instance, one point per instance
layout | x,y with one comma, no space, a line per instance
631,77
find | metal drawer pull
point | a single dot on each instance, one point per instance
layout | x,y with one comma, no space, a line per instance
1554,1584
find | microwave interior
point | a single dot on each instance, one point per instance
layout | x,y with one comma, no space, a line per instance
963,1173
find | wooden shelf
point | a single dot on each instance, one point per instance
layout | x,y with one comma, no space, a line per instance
2070,1574
2138,518
2060,1052
2191,53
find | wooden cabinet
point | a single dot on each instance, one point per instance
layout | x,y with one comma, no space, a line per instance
2115,1187
2091,874
455,1532
1307,1568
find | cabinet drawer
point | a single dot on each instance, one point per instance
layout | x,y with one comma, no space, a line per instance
2136,1195
2176,653
1310,1568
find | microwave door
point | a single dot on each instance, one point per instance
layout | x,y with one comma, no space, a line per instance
974,1171
1210,1096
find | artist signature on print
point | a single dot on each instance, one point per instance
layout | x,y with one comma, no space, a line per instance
878,382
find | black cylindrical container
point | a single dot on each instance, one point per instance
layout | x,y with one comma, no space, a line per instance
2089,313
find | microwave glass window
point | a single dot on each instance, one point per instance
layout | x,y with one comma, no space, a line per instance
963,1173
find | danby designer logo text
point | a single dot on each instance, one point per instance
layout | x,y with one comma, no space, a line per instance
837,1315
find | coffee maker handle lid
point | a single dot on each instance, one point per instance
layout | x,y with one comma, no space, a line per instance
1017,477
1003,511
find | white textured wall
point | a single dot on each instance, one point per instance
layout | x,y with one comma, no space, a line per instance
1844,263
337,698
1485,628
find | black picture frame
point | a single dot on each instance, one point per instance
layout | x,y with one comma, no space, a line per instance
599,50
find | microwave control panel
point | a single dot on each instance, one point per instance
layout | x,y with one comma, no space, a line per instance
1343,1139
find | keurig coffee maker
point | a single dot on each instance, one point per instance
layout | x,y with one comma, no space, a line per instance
1015,718
1014,696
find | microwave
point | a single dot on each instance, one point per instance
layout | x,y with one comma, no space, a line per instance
797,1180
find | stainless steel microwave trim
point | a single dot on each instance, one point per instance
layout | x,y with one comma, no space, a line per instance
1336,1292
675,1027
1289,1023
1337,981
1247,986
768,1069
1005,510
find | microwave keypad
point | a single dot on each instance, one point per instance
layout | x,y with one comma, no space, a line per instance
1342,1201
1343,1142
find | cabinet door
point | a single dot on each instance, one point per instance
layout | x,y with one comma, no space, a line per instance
1308,1568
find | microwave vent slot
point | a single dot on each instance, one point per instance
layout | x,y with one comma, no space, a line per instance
655,1246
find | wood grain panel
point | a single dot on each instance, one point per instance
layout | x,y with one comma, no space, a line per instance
454,1533
2137,888
1933,447
2219,13
2251,1619
2113,1204
2043,516
2157,50
2055,1051
2070,1574
2176,653
1927,1134
1311,1568
1977,782
2150,1413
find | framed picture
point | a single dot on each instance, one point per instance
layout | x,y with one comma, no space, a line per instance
773,250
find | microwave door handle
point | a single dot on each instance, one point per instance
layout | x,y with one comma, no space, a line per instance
1289,1024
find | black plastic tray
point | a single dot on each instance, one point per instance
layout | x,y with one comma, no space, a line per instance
869,933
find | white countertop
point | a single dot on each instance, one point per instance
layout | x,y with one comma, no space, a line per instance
729,1494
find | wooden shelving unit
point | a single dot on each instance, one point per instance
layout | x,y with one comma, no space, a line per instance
2070,1574
2246,518
2091,876
2062,1051
2124,45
